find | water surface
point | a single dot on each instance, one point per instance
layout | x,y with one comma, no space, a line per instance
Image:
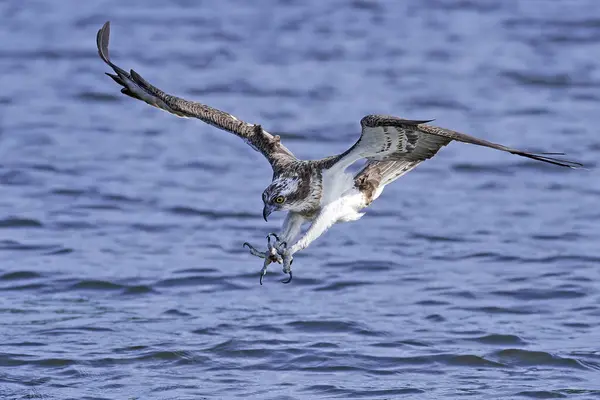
122,273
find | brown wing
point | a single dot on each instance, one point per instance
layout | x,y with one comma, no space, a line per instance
137,87
395,146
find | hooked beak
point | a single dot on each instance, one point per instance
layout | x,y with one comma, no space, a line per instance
267,210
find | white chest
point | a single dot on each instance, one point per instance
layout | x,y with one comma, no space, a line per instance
340,198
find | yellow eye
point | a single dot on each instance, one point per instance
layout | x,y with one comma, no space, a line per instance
279,199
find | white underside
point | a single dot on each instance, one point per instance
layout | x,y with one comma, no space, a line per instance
340,198
340,202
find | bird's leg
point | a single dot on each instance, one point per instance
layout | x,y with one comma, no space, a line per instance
287,260
263,270
279,246
273,251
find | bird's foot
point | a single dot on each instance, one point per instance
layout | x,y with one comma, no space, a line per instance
273,254
287,266
284,253
279,245
287,260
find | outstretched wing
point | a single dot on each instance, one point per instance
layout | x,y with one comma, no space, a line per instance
137,87
395,146
387,138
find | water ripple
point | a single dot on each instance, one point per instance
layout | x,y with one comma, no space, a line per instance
122,273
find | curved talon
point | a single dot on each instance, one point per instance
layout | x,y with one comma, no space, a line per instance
289,280
262,274
274,235
247,244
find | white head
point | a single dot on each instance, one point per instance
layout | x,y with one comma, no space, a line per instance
286,193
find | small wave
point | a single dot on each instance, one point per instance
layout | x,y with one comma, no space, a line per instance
479,168
550,81
211,214
438,238
96,285
16,177
266,328
53,362
68,192
188,281
176,313
58,252
437,318
566,236
341,285
528,111
151,228
331,326
444,104
200,281
497,339
98,97
19,275
540,294
365,265
72,330
332,390
196,271
120,198
517,310
245,88
14,245
28,286
542,394
17,222
399,343
434,303
195,165
526,358
138,289
98,207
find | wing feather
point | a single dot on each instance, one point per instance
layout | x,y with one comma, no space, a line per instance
395,146
387,138
137,87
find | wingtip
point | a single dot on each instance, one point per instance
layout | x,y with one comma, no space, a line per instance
102,39
551,160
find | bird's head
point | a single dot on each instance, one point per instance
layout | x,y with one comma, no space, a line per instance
287,193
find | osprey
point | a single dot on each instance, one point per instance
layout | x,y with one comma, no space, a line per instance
319,192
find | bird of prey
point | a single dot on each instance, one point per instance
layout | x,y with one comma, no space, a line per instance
319,192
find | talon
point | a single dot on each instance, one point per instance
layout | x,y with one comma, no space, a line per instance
262,274
274,235
289,280
263,271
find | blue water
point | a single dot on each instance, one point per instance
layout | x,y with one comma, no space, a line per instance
122,273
